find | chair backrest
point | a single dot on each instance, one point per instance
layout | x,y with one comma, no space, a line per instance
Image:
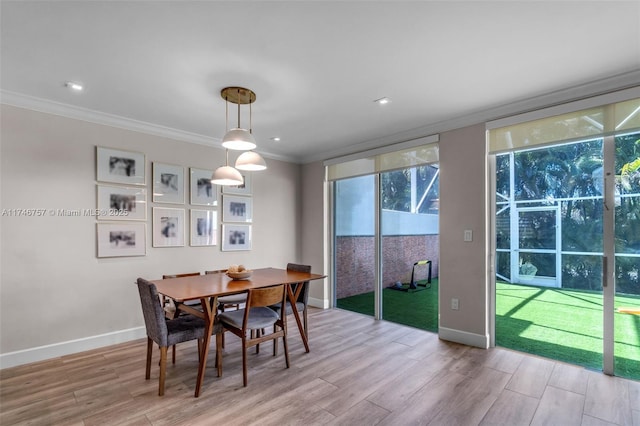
188,274
152,311
304,293
265,296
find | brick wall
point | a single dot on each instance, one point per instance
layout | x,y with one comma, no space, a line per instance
355,260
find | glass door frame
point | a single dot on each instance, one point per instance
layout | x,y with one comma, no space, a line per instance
608,258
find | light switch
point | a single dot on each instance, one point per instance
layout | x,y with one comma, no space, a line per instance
455,304
468,235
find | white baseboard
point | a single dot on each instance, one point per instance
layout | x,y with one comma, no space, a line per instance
318,303
41,353
466,338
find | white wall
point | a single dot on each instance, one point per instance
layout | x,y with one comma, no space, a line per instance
463,265
315,219
55,294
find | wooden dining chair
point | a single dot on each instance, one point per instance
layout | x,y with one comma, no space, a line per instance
171,307
256,316
302,301
167,332
234,300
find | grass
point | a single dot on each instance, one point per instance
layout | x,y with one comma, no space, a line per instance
416,309
561,324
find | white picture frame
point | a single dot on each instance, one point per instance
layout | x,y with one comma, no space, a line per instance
204,227
121,203
121,239
168,227
120,166
168,183
202,191
237,209
236,237
244,189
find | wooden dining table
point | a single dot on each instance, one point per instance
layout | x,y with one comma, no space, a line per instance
208,287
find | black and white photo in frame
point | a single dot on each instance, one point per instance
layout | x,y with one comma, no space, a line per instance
236,237
204,227
168,227
121,239
119,166
237,209
121,203
243,189
203,192
168,183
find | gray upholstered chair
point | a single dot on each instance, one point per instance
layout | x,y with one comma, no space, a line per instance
230,300
255,317
303,297
167,332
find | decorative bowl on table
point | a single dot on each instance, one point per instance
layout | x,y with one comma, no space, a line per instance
244,275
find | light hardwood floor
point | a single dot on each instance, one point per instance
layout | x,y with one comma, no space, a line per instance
359,372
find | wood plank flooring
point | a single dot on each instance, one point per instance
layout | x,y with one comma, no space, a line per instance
359,372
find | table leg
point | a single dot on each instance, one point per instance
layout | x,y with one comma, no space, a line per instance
292,299
209,317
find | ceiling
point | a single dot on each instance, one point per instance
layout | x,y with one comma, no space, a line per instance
316,67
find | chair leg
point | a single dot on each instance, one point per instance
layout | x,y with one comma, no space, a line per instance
219,338
173,355
286,349
244,362
275,341
149,351
163,368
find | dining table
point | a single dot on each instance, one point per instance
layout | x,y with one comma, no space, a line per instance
208,287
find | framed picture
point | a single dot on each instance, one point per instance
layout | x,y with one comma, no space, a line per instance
168,227
204,227
117,166
237,209
121,239
236,237
168,183
244,189
203,192
121,203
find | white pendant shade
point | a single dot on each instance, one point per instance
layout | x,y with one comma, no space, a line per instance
239,139
226,175
250,161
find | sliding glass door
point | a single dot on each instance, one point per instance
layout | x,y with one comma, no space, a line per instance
567,237
386,245
355,243
549,298
626,275
409,201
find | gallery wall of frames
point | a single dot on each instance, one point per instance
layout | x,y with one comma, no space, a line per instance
185,206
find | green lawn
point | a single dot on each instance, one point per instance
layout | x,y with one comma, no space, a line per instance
561,324
416,309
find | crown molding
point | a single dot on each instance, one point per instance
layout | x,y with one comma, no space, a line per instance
21,100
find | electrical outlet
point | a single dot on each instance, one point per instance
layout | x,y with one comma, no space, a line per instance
455,304
468,235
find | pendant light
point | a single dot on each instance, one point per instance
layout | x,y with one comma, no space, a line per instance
238,139
251,161
227,175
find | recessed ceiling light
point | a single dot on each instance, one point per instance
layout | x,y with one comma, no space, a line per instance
275,139
382,101
73,85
